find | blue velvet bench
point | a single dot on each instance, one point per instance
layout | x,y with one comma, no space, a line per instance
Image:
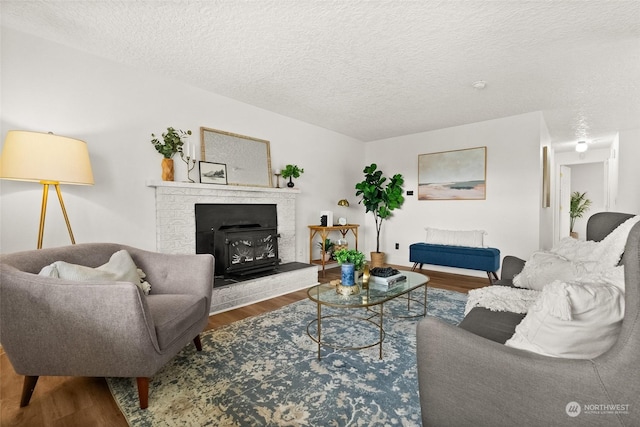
482,259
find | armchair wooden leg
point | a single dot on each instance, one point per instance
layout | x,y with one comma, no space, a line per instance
143,391
197,343
27,389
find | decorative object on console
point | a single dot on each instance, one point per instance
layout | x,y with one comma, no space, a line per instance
329,215
579,205
49,159
171,144
453,175
345,204
380,200
213,173
292,171
327,249
248,159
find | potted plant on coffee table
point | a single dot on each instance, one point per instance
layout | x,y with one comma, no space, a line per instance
380,196
350,261
170,145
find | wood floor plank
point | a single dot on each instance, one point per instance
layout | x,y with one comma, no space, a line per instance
81,401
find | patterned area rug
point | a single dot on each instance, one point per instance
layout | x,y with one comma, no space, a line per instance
264,371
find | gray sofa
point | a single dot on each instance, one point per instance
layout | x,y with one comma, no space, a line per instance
472,379
55,327
500,326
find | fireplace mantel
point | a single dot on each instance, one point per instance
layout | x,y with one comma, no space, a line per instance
175,212
223,188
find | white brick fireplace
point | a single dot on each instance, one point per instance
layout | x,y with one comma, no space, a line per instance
175,233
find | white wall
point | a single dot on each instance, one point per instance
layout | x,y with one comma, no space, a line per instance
115,108
628,199
511,212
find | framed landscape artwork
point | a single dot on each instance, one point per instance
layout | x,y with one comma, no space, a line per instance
453,175
213,173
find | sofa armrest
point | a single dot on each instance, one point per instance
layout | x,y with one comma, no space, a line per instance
59,327
510,267
497,385
176,273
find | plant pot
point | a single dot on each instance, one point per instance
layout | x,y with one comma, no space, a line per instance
167,169
290,183
377,259
347,277
574,234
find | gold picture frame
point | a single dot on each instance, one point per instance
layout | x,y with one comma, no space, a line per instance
248,159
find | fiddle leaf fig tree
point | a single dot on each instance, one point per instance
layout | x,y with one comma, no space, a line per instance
380,195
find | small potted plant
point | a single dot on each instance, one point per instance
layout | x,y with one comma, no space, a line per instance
170,145
327,248
350,261
579,205
291,171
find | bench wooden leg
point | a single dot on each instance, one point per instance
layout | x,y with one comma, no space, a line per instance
492,276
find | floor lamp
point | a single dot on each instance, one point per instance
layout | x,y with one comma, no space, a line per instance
48,159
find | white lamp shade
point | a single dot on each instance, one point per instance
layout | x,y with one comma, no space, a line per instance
35,156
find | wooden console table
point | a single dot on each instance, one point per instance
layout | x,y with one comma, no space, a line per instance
323,232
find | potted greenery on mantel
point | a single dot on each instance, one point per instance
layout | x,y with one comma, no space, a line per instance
171,144
380,199
291,171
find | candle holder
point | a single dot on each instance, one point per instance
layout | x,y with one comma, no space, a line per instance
277,179
191,163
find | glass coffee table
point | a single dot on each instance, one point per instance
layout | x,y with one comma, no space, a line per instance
371,300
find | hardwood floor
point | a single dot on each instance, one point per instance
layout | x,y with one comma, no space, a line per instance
82,401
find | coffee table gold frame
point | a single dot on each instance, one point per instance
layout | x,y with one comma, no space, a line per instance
326,295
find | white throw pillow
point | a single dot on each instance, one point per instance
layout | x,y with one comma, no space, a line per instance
577,320
120,268
469,238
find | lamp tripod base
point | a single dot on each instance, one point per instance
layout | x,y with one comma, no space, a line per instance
43,211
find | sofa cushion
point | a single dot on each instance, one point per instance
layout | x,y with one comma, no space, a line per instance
468,238
496,326
574,320
119,268
173,314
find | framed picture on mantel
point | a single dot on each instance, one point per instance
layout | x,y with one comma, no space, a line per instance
453,175
247,159
213,173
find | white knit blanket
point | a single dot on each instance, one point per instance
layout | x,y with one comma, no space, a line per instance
501,298
570,261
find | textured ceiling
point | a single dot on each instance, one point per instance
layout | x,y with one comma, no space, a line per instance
376,69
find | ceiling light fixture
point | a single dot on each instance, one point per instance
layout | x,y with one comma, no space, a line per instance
582,146
480,84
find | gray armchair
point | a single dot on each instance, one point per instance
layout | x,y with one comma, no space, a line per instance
52,327
466,379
